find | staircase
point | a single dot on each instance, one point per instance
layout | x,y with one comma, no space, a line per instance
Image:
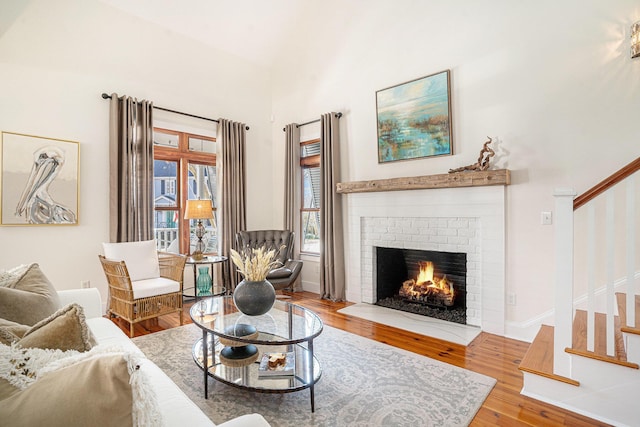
588,361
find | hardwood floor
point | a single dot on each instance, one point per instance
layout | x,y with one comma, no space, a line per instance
491,355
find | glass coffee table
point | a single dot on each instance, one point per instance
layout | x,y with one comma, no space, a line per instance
232,345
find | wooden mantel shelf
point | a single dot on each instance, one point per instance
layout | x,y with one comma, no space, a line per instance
445,180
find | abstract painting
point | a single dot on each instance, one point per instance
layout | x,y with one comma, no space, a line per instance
39,180
414,119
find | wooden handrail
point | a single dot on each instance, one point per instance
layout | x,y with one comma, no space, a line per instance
606,183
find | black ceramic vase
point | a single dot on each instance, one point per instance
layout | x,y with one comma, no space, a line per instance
254,298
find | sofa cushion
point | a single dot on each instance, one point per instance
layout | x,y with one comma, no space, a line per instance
28,298
141,258
64,330
102,388
152,287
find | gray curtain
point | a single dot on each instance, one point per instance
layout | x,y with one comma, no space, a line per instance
292,179
230,163
130,169
332,284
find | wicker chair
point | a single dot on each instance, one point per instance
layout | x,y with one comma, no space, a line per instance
146,298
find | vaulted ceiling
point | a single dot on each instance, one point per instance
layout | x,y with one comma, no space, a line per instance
256,30
261,31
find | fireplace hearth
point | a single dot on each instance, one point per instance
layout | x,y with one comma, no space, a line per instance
429,283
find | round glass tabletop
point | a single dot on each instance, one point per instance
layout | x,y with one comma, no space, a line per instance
285,323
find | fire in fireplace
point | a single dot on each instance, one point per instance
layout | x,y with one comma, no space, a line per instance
430,283
427,288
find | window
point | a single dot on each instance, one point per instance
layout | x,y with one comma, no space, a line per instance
170,186
184,168
310,209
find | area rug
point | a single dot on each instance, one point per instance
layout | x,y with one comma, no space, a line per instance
364,383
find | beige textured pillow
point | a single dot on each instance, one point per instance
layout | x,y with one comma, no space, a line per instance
11,331
29,299
66,329
10,276
92,392
6,389
102,387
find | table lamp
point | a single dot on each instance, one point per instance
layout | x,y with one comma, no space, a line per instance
199,209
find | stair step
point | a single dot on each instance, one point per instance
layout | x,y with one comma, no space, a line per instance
539,357
622,311
579,346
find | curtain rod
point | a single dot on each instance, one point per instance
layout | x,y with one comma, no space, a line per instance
338,115
106,96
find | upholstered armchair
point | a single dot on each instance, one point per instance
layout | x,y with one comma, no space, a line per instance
283,277
143,283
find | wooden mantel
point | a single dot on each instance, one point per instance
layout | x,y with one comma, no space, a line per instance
445,180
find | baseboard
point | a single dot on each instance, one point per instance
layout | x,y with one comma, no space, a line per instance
526,331
311,287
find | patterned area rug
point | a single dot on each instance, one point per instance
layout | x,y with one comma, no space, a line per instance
364,383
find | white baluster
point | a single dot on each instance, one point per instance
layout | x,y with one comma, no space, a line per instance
563,231
591,275
610,272
631,254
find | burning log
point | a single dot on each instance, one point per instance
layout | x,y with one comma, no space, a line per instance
406,290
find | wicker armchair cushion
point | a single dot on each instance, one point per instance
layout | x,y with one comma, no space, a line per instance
141,258
152,287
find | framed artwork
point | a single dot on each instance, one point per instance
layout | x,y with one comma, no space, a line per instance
39,179
414,119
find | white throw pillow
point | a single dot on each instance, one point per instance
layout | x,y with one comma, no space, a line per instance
141,258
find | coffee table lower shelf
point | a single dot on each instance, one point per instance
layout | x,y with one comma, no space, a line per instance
307,373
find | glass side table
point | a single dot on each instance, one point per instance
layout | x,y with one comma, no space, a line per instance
203,284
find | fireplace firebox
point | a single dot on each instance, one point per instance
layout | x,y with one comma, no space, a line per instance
430,283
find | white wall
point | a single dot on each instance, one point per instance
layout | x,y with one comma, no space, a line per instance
552,83
58,57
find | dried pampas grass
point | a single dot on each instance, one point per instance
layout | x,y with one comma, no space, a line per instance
255,264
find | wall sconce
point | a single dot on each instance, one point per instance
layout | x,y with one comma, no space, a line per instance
635,40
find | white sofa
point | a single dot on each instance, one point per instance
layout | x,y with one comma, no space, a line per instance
176,408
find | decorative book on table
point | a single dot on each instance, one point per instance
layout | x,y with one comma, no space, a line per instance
277,364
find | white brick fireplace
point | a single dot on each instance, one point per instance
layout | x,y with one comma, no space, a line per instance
469,220
445,234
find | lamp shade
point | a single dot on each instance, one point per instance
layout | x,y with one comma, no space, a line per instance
635,40
199,209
